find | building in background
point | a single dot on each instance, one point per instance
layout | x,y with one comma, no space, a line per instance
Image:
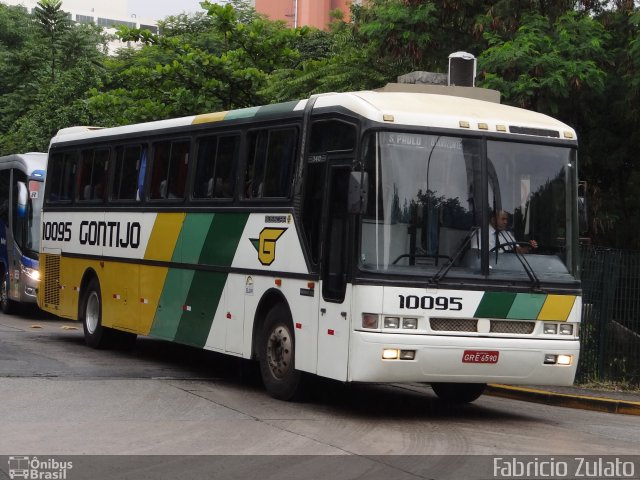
297,13
109,15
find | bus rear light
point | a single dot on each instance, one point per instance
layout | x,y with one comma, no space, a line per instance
370,320
278,282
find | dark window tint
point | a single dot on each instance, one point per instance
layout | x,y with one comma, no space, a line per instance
169,171
215,171
92,175
331,136
62,169
5,176
129,171
270,164
312,210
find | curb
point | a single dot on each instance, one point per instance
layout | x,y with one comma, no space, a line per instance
595,404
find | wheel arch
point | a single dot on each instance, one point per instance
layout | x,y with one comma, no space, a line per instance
269,299
88,275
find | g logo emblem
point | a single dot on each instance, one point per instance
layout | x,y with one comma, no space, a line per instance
266,244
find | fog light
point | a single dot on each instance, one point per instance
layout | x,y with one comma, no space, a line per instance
410,323
565,359
390,354
407,354
550,328
369,320
391,322
550,359
566,329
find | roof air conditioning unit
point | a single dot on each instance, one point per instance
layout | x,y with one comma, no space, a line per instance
462,69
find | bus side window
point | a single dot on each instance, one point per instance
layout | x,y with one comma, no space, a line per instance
215,172
92,175
169,169
128,164
269,171
62,170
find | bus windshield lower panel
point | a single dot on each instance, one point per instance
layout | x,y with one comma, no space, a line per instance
426,199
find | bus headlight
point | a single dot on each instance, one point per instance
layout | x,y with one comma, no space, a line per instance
31,273
566,329
391,322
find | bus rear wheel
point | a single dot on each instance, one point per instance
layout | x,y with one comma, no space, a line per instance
277,355
458,392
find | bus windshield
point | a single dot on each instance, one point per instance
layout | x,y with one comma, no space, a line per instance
426,198
32,220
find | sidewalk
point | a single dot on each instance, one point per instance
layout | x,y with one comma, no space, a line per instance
572,397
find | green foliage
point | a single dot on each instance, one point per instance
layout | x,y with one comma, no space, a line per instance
47,66
543,64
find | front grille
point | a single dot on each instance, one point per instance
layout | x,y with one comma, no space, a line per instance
454,324
52,280
507,326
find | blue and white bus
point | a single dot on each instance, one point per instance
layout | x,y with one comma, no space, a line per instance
21,186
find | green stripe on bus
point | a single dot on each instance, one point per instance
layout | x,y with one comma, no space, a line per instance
222,239
527,306
241,113
170,307
276,108
194,232
200,308
495,305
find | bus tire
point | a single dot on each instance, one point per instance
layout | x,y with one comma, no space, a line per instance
95,335
7,305
458,392
277,355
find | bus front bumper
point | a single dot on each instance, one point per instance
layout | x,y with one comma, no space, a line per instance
439,358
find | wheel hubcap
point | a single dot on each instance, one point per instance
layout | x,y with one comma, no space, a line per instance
93,312
279,351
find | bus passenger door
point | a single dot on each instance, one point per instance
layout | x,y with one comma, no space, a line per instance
335,302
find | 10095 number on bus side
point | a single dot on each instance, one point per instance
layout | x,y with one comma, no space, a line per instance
428,302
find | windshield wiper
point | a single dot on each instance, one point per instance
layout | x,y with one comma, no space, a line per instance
523,261
452,260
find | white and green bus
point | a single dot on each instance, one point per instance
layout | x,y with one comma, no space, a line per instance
345,236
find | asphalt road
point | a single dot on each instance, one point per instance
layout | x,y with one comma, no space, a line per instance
60,398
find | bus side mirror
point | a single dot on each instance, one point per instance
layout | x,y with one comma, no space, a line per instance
358,192
583,217
23,198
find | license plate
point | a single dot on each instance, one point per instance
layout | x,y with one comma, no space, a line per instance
480,356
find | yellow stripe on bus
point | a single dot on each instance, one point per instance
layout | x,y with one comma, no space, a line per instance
557,307
164,236
209,117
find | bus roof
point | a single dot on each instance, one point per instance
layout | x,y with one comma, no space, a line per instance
32,163
389,107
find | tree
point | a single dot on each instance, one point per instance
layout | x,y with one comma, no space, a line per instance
40,93
54,22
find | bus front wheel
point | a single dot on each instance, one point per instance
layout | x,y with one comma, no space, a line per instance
7,305
277,355
95,335
458,392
